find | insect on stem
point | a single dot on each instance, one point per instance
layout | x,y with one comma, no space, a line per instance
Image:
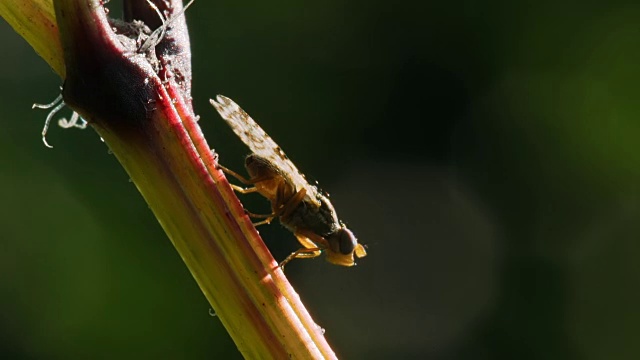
300,206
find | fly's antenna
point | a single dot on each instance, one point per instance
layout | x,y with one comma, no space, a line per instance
158,34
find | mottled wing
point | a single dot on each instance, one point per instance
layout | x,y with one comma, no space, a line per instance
260,143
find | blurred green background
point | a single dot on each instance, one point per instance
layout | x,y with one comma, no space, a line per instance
486,152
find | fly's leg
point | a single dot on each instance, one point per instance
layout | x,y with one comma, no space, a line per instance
239,177
283,207
310,240
293,203
242,190
267,218
303,253
283,210
243,180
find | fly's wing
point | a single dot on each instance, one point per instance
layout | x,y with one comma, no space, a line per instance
261,144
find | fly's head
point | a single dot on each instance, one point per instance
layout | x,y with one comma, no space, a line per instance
342,247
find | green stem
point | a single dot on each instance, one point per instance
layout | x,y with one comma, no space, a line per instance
140,104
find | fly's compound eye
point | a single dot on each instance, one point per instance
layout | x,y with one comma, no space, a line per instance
346,241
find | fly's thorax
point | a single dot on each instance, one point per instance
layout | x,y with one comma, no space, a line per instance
321,221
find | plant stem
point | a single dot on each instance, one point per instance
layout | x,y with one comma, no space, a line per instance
140,104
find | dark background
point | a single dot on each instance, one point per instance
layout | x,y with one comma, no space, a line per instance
486,152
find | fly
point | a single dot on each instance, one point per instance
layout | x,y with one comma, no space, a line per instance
300,207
